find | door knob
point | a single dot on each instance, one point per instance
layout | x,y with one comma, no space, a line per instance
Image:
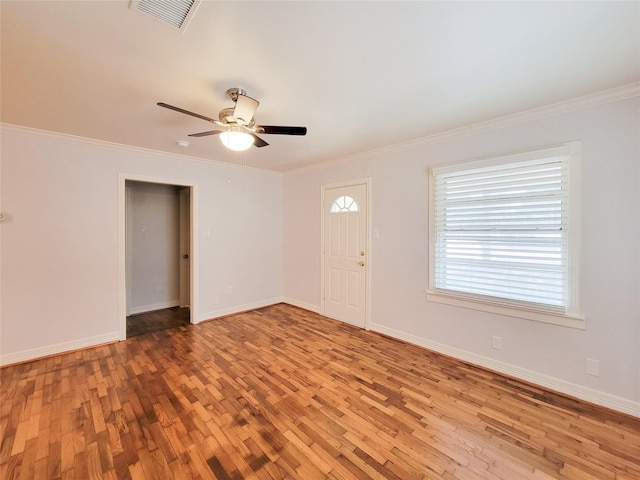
186,255
361,263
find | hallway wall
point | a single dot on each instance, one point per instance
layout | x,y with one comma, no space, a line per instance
153,238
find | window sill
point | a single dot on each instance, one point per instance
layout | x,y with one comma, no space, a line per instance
562,319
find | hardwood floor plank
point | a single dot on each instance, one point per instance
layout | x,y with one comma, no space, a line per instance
136,472
283,393
66,453
53,460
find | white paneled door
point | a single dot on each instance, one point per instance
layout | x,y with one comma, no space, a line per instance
345,253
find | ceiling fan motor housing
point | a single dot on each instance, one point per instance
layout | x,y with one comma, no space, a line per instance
226,116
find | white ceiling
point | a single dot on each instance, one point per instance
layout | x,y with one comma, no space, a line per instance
360,75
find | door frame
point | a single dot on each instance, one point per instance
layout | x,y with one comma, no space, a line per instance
122,228
184,268
369,257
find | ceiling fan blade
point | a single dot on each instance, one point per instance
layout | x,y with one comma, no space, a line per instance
257,141
181,110
245,109
277,130
204,134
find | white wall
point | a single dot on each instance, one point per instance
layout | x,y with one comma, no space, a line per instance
546,354
60,276
60,286
152,243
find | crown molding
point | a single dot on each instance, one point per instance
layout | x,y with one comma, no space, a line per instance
548,111
130,148
579,103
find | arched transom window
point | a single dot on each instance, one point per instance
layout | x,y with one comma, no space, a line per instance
344,204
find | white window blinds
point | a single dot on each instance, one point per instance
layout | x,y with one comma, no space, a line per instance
500,230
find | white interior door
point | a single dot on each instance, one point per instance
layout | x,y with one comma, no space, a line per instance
345,253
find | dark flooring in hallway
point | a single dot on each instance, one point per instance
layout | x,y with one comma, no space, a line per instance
149,322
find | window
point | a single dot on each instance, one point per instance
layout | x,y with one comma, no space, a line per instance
344,204
504,235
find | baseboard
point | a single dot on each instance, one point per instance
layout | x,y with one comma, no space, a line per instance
223,312
298,303
35,353
583,393
154,306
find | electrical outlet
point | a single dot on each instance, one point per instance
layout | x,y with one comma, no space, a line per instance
497,343
592,367
229,290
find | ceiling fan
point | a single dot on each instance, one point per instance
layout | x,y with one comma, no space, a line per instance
238,127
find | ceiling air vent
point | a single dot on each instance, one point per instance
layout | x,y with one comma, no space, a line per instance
177,13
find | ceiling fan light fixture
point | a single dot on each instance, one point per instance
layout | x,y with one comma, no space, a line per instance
236,139
238,127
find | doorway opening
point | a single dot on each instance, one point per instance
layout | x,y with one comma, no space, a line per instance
157,249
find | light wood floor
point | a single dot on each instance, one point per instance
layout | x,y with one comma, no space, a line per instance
284,393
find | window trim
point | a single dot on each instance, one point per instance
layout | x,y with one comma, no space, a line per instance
572,317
